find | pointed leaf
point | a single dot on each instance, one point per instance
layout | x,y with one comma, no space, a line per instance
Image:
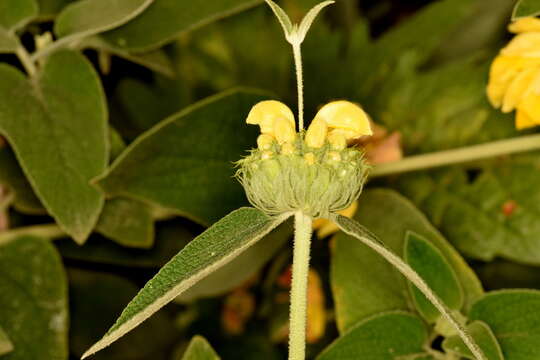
376,285
56,125
199,349
14,14
282,16
431,265
187,159
214,248
165,20
88,17
33,299
6,345
8,42
310,17
513,316
526,8
484,337
49,8
387,336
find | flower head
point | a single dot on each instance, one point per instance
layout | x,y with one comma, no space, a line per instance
315,173
514,81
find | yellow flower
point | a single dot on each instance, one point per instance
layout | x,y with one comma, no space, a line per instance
514,80
326,227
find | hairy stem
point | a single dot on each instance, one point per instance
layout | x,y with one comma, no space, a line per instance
50,231
461,155
299,83
25,60
300,269
413,277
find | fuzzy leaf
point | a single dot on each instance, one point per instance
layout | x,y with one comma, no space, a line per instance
88,17
386,336
14,14
33,299
282,17
431,265
376,286
57,128
187,159
49,8
513,316
8,42
483,336
214,248
6,345
526,8
307,21
165,20
199,349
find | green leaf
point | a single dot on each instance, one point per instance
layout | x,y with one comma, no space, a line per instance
88,17
49,8
57,127
387,336
100,293
199,349
513,316
484,337
165,20
431,265
526,8
187,159
12,176
33,299
307,21
8,42
6,345
128,222
492,214
282,17
214,248
242,268
14,14
376,286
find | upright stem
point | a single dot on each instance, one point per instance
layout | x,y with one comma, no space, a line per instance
299,83
300,269
25,60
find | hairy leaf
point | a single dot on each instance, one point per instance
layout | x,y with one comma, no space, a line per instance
49,8
57,128
199,349
526,8
214,248
484,337
386,336
187,159
14,14
431,265
376,286
8,42
33,299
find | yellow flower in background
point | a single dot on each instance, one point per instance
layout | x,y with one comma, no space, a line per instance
514,80
325,227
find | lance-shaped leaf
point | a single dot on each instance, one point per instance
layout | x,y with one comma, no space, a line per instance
89,17
484,337
199,349
57,127
526,8
214,248
387,336
186,162
352,228
14,14
6,345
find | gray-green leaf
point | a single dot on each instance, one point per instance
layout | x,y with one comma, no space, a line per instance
8,41
33,299
526,8
6,345
214,248
376,286
14,14
386,336
513,316
484,337
88,17
431,265
199,349
57,127
166,19
185,163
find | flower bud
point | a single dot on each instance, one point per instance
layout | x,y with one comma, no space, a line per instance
264,142
316,133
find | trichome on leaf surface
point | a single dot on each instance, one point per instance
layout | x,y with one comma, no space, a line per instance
391,213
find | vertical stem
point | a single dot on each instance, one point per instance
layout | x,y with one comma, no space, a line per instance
299,83
25,60
297,315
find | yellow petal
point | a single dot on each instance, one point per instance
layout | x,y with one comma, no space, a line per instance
346,116
266,112
529,109
283,130
525,45
337,140
316,133
524,121
264,141
518,89
527,24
